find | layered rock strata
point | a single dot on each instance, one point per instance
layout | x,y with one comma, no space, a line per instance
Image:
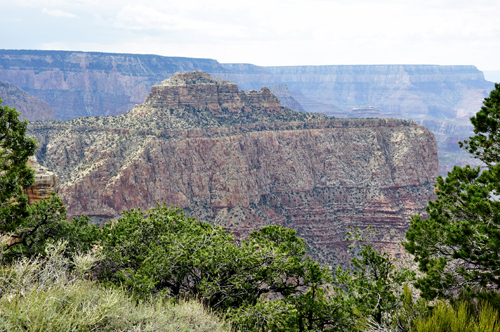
242,161
77,84
414,91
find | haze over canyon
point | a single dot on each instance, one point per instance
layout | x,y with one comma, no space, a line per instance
442,98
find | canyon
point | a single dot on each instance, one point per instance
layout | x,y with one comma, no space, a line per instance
242,161
80,84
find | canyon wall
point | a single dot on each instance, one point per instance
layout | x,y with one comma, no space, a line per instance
246,164
79,84
31,108
411,90
443,97
95,84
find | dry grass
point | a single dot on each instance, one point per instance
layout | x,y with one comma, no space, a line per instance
53,295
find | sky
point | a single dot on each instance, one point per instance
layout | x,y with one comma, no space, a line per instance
264,32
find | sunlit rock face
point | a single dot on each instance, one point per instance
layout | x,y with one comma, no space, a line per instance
242,161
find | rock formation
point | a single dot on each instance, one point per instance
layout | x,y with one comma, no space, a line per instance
30,107
46,182
414,91
242,161
441,96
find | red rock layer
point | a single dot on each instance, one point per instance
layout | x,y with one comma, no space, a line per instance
270,165
319,181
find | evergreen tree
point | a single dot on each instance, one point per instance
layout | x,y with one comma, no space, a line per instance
457,246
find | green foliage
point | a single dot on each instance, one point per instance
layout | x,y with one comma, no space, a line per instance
318,306
46,222
15,149
410,310
375,284
458,245
161,250
371,294
51,294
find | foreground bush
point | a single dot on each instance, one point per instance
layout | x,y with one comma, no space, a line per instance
163,251
52,294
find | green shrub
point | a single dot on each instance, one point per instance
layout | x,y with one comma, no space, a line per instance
46,222
162,251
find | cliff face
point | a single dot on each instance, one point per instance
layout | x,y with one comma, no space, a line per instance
30,107
442,98
242,161
414,91
199,90
79,84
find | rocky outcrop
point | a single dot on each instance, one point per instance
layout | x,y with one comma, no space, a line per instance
30,107
199,90
439,97
46,182
79,84
245,165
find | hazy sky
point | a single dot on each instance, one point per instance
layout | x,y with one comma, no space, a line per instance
264,32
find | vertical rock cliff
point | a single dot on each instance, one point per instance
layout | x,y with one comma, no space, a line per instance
242,161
